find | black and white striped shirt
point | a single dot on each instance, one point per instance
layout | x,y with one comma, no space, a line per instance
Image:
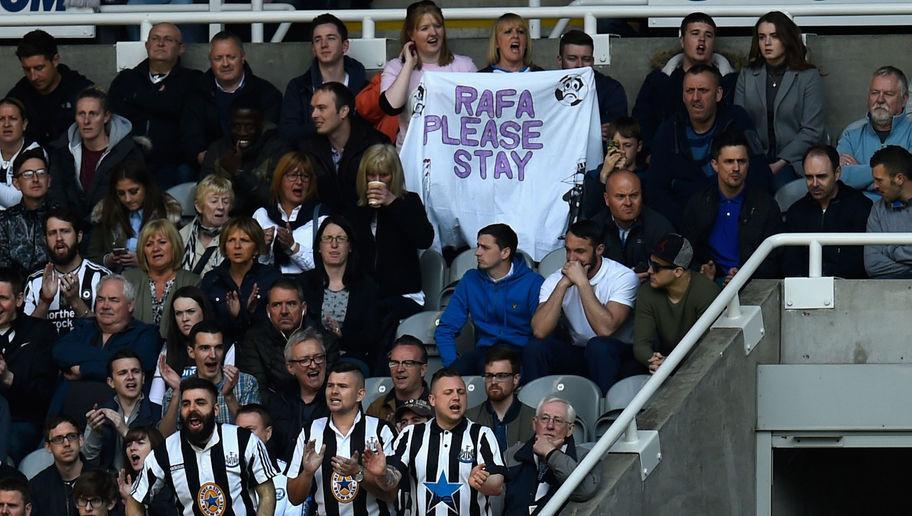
60,313
334,494
219,479
437,463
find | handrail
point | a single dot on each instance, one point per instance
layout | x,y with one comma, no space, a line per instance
727,298
588,13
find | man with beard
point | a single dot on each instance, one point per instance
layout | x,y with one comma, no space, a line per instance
299,402
326,460
213,468
502,411
262,351
887,123
407,365
54,484
450,463
65,288
247,154
892,170
579,324
27,374
207,350
108,424
537,467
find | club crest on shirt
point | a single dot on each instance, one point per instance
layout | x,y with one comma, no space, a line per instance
232,460
280,493
211,499
344,489
467,454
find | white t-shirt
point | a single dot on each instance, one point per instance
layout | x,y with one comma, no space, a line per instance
612,282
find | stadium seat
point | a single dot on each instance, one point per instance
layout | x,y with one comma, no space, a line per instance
526,258
375,388
475,389
789,193
433,275
583,394
184,194
464,261
35,462
421,325
552,262
619,396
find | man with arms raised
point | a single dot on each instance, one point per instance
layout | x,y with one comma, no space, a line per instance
65,289
450,463
329,43
213,468
327,454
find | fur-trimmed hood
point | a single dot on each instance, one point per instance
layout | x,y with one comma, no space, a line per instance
669,60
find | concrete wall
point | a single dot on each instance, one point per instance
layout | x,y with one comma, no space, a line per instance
847,62
706,415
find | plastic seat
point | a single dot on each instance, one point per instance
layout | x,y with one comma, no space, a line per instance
526,258
552,262
475,389
184,194
36,462
583,394
375,388
433,275
619,396
421,325
789,193
463,262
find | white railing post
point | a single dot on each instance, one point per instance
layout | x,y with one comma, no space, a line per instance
368,28
144,29
256,29
535,23
815,259
733,311
215,6
630,435
590,24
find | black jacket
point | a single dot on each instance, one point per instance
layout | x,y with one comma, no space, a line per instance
846,213
28,356
217,283
760,218
155,109
51,496
202,122
675,176
296,123
644,234
289,415
360,329
50,115
392,256
337,188
262,354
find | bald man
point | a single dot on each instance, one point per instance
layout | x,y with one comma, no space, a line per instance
631,228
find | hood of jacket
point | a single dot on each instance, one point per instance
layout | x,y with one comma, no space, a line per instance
520,271
670,60
118,129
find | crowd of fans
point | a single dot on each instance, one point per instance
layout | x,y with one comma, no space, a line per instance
220,362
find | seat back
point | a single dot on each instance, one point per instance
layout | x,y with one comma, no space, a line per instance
36,462
526,258
375,388
475,389
619,396
464,261
552,262
583,395
184,194
433,276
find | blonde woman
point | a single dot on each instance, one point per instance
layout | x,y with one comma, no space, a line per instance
509,47
213,201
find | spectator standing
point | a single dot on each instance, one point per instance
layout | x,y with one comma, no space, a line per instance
13,121
49,88
329,43
509,46
891,168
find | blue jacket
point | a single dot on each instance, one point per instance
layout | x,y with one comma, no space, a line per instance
296,124
674,175
861,142
82,347
501,312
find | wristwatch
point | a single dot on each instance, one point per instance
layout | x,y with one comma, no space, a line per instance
359,476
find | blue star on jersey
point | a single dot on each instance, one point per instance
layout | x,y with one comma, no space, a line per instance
443,492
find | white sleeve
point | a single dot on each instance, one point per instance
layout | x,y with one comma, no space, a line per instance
263,220
9,195
258,460
294,466
30,297
157,389
229,356
549,285
149,480
304,258
625,289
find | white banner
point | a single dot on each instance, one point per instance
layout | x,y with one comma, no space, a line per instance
501,147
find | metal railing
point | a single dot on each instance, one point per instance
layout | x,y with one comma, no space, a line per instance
726,300
368,17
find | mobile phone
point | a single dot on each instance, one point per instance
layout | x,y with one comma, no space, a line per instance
120,250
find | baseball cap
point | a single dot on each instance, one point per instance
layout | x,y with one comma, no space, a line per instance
419,407
674,249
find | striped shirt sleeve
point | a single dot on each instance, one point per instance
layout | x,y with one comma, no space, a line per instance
258,458
489,452
149,481
398,456
294,465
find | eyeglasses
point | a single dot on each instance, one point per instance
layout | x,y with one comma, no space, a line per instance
340,239
29,174
498,377
408,364
545,419
72,436
306,361
299,176
89,502
654,265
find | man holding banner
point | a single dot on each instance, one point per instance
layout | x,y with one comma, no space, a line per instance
510,149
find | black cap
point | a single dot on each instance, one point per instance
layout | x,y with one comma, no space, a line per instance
674,249
419,407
